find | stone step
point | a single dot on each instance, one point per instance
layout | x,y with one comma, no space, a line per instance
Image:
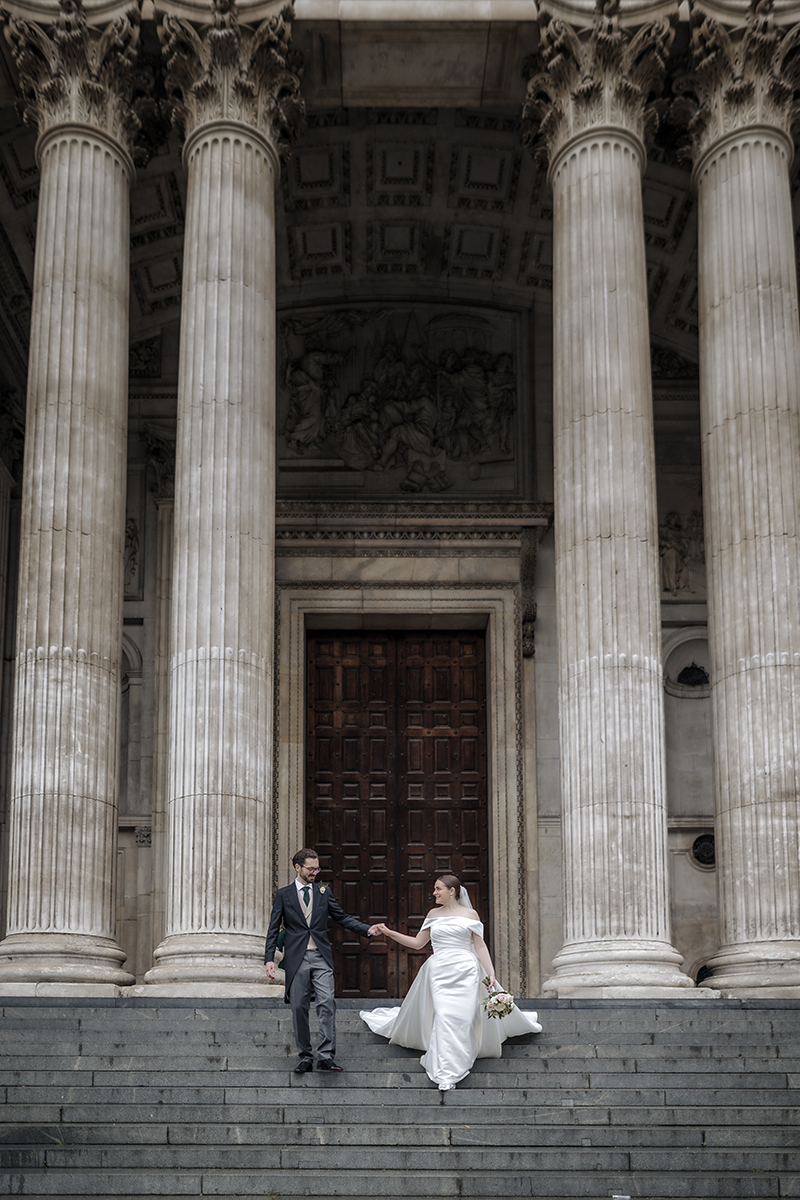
106,1069
409,1076
460,1157
561,1184
395,1113
199,1098
355,1133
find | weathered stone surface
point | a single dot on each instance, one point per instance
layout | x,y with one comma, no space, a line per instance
589,105
744,90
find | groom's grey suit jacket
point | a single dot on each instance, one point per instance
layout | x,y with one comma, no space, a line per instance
287,910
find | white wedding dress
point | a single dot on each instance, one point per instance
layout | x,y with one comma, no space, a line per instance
442,1013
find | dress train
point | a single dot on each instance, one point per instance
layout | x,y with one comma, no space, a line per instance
443,1014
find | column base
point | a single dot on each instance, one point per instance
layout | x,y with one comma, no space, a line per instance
758,970
62,959
618,970
208,958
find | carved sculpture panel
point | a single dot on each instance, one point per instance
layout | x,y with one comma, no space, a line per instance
681,545
416,399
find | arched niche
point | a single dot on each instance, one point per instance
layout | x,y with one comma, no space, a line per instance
687,725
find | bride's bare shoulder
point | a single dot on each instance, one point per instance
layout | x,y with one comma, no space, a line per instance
473,916
432,913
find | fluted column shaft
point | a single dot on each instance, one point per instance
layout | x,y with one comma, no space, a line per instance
610,695
590,108
750,414
61,919
741,99
223,583
238,102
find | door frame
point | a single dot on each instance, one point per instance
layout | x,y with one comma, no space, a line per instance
494,607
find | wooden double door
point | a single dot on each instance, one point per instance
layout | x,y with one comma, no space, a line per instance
396,786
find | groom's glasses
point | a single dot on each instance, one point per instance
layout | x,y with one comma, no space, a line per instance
312,870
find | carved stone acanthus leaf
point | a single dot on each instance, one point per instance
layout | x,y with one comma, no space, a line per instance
230,71
599,76
745,76
72,72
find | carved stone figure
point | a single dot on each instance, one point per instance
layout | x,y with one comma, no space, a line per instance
672,547
357,433
407,424
312,409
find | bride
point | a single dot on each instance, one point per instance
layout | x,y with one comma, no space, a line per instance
442,1013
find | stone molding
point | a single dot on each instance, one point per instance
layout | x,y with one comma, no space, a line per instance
744,79
230,72
318,515
72,73
597,77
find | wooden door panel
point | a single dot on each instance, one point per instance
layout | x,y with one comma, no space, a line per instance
396,786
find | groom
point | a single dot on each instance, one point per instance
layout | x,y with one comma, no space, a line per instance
304,908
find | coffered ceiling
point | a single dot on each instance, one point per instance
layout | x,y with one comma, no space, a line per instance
382,200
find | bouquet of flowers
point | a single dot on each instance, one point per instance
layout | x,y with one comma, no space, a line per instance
497,1003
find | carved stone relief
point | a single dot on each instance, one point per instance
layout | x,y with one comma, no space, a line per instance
144,358
414,399
12,431
160,442
681,546
134,535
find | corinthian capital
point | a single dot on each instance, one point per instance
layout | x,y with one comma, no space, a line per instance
72,72
745,76
229,71
603,75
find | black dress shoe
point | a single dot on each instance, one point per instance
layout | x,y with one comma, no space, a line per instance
327,1064
305,1064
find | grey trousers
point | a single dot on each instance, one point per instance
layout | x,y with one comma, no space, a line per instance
314,976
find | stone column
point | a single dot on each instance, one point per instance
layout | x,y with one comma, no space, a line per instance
238,103
77,85
742,100
6,485
588,108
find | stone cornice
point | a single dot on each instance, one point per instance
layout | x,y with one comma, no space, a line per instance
316,517
601,76
228,71
72,73
743,77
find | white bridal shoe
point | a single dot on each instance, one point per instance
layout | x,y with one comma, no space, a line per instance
447,1087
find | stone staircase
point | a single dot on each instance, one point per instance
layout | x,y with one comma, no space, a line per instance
181,1097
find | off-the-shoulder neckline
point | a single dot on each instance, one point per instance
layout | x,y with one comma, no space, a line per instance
457,916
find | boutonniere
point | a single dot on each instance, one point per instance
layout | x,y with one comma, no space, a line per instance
323,887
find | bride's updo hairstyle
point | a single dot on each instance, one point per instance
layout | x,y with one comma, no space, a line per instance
450,881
